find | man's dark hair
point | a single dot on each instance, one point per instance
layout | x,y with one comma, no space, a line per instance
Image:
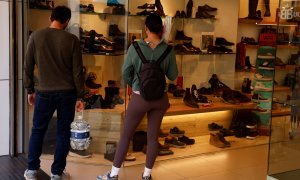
154,23
61,14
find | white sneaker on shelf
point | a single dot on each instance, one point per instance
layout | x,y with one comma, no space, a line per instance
266,56
261,77
261,86
266,66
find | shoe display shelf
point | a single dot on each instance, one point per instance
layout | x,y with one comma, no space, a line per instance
264,86
179,108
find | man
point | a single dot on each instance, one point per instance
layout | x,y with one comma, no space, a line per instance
59,87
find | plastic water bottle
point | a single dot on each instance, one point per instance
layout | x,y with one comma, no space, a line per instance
80,134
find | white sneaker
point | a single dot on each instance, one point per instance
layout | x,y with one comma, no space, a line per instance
261,77
30,174
266,56
266,66
262,86
63,176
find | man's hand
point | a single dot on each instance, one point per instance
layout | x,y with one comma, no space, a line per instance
30,98
79,106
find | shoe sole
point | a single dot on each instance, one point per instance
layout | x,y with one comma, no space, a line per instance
176,146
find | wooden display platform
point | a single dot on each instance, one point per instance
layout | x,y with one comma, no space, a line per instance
201,146
178,107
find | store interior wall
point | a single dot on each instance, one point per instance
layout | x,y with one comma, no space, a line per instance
4,78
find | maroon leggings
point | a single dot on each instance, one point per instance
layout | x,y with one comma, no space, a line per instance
137,108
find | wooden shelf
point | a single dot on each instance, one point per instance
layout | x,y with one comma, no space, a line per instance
281,112
286,67
178,107
281,88
265,23
287,46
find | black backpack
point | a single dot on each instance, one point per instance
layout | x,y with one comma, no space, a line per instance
152,79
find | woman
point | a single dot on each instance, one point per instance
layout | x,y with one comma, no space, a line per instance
152,47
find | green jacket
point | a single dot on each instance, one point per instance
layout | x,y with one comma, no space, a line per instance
132,63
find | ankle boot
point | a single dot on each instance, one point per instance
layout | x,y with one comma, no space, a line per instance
189,100
115,31
189,8
159,8
267,5
90,81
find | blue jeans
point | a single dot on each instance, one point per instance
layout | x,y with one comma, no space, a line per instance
45,105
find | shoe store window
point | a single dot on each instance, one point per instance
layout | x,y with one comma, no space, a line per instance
237,83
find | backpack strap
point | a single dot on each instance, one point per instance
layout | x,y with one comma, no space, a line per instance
164,55
139,52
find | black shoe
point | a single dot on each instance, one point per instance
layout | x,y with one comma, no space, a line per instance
177,15
145,13
182,14
228,97
189,8
204,15
175,131
191,47
115,31
181,36
207,8
178,92
173,142
159,8
220,41
214,127
189,100
186,140
147,6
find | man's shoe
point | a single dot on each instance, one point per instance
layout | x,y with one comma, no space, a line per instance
30,174
189,100
173,142
147,6
106,176
175,131
208,8
63,176
220,41
186,140
181,36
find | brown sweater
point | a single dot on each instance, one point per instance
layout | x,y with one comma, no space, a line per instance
57,56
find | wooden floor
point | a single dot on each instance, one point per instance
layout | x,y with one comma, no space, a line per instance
13,168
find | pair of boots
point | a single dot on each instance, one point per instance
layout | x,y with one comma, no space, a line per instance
252,10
